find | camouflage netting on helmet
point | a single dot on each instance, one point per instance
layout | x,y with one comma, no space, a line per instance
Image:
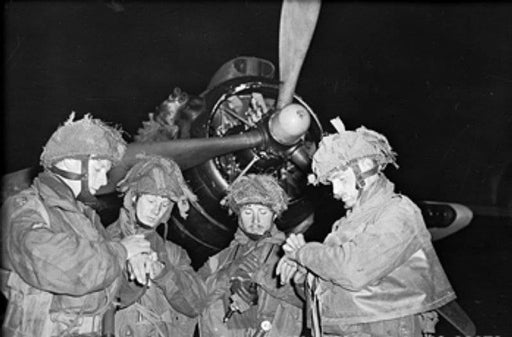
157,175
345,148
256,189
81,138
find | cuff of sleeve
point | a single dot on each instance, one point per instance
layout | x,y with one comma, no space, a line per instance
163,273
168,267
166,277
301,254
121,252
309,255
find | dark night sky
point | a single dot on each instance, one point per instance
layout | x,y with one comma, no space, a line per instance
435,78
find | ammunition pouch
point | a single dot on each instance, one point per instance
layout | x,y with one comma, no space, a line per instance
28,310
140,321
28,313
76,325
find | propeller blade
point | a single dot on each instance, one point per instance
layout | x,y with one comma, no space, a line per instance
185,152
298,21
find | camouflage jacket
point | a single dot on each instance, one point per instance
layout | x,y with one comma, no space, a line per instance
169,305
62,269
278,304
378,263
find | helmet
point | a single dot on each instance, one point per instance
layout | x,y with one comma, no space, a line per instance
345,148
157,175
83,138
256,189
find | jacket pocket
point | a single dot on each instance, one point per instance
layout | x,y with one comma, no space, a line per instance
28,310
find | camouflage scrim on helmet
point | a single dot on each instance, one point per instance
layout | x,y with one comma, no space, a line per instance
160,176
83,138
256,189
345,148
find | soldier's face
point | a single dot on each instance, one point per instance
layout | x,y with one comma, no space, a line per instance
150,209
344,187
256,218
98,169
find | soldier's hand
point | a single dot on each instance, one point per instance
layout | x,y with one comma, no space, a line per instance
293,243
137,267
245,290
300,275
153,266
286,269
135,244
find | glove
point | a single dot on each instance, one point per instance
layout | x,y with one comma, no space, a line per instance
244,293
245,290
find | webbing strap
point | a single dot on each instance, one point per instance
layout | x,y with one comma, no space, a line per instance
66,174
361,176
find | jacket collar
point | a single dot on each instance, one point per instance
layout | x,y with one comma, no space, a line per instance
379,191
55,192
276,236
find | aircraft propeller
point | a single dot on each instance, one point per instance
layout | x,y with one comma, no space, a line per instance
224,145
286,126
298,21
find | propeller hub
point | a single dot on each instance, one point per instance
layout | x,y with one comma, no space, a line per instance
288,125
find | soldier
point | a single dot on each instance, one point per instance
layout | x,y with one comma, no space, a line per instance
61,269
165,294
243,294
376,273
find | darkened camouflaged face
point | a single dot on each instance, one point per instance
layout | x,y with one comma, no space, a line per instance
98,169
256,219
150,209
344,186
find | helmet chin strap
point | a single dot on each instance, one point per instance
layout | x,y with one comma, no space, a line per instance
361,176
85,195
143,225
255,237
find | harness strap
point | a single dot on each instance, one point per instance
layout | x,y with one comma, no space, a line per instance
150,316
313,306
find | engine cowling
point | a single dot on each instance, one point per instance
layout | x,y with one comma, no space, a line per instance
237,106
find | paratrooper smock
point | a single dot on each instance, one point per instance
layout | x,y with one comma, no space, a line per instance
62,270
277,304
377,264
171,303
